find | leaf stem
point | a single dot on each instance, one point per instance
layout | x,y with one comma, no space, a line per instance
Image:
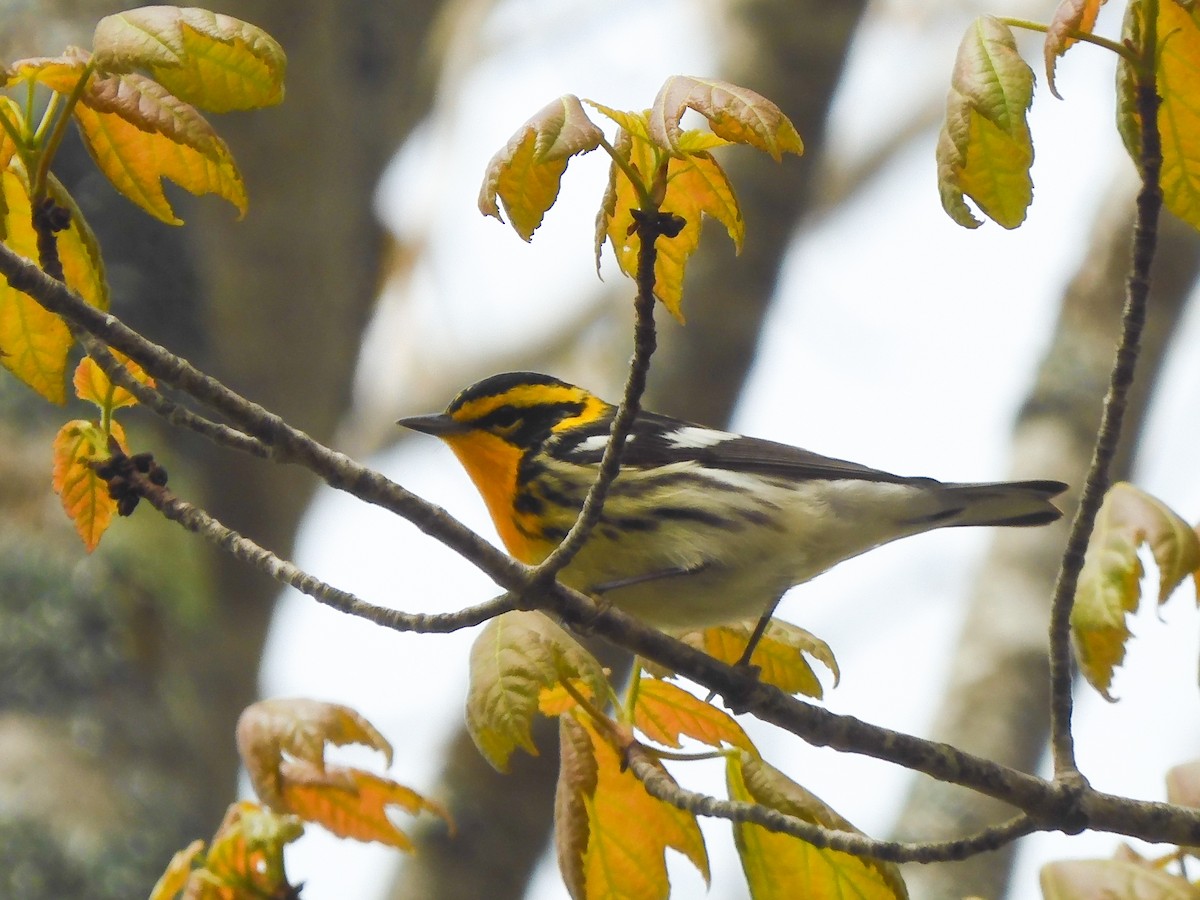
37,187
635,178
1084,36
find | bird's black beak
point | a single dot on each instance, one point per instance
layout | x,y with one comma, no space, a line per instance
437,425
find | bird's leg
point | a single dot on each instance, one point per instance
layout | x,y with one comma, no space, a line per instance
755,636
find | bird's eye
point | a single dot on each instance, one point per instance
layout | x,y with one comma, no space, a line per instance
505,418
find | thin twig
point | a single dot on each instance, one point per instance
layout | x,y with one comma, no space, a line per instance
240,547
650,226
172,412
1099,478
661,786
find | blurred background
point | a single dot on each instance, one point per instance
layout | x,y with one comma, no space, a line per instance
859,322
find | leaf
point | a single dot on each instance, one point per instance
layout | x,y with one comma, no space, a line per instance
516,657
213,61
93,385
526,173
83,493
1071,15
58,73
1085,879
781,866
734,113
1110,581
695,186
984,150
779,655
33,342
665,712
246,854
351,803
1183,784
299,728
611,835
8,148
79,250
178,871
1178,114
139,133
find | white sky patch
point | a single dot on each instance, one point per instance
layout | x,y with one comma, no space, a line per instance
692,436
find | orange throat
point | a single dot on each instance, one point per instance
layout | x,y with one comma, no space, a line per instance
492,464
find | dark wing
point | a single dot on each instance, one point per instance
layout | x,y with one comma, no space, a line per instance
657,440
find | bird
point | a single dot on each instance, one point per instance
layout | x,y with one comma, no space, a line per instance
701,527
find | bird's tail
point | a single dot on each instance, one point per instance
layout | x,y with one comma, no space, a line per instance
997,503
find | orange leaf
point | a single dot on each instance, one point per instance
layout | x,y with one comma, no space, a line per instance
270,730
665,712
214,61
351,803
628,831
1071,15
735,113
525,175
83,493
139,133
178,871
93,385
246,854
779,655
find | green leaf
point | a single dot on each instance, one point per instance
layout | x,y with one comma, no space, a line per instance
1110,581
210,60
515,658
1177,75
985,151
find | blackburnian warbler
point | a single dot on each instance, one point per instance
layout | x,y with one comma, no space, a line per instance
701,527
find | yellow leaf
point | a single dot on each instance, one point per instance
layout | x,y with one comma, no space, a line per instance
779,655
779,866
83,493
1071,15
246,854
735,113
525,175
93,385
627,831
58,73
298,728
178,871
984,150
665,712
139,133
1178,114
1110,581
351,803
515,657
8,148
79,251
213,61
33,342
695,186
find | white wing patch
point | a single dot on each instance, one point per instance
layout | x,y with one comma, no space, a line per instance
595,442
692,437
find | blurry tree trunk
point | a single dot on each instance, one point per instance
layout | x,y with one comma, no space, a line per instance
121,675
791,52
997,701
